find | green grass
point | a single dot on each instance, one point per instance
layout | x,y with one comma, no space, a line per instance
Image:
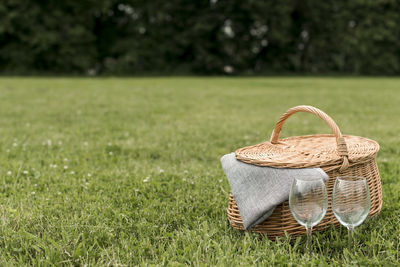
126,171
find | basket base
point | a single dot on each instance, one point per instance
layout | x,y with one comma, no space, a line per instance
281,220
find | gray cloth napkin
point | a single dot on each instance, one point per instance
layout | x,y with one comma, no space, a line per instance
258,190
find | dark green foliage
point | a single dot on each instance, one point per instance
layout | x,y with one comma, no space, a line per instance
202,37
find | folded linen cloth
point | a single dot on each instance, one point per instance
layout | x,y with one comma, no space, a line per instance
258,190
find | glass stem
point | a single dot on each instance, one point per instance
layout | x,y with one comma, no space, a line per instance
309,231
351,232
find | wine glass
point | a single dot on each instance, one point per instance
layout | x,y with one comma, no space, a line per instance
308,202
351,201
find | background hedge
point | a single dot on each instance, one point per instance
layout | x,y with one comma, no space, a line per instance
202,37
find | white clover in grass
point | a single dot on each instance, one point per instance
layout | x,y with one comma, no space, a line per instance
109,144
49,142
161,171
9,173
35,185
72,172
85,143
111,153
89,175
8,150
58,193
65,167
25,172
60,143
33,193
220,180
65,159
15,144
146,179
186,171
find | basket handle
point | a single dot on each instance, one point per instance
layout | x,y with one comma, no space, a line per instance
341,143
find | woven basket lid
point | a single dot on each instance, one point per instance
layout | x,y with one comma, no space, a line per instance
321,150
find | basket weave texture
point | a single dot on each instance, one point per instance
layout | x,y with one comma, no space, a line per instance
336,154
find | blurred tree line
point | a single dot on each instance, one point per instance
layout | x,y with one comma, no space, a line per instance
201,37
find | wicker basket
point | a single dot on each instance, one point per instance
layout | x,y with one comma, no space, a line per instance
336,154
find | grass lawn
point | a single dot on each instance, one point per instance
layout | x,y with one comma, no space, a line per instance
126,171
